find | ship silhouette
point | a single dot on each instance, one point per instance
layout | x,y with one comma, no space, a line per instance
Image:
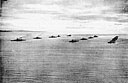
83,39
19,39
95,36
52,36
73,41
37,38
69,35
113,40
90,37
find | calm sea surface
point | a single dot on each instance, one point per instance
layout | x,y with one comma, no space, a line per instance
55,60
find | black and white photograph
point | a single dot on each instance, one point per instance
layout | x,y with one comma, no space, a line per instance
63,41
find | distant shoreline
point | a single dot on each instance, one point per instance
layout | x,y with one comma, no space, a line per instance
18,31
62,33
5,31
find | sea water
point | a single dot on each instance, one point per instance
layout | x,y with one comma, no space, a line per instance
56,60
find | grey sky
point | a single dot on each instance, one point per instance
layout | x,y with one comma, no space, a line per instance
60,15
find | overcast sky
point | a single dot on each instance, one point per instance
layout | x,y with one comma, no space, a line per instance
79,16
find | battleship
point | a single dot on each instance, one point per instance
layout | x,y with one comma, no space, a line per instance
90,37
69,35
73,41
83,39
95,36
37,38
52,37
19,39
